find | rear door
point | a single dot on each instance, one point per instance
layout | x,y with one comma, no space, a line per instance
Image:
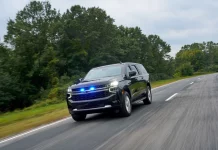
135,83
143,79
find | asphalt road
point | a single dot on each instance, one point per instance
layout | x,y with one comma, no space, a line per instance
187,120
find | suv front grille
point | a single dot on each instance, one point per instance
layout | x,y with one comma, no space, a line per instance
90,96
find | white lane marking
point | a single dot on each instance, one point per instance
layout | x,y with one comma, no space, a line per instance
191,82
34,130
171,97
199,78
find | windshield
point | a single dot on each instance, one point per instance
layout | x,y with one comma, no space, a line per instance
103,72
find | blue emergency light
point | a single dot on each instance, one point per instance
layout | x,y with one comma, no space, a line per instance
92,88
82,90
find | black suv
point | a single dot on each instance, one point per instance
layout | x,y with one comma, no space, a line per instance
111,87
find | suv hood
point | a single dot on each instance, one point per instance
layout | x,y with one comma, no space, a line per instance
101,81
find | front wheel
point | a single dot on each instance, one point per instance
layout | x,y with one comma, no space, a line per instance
126,105
148,99
79,117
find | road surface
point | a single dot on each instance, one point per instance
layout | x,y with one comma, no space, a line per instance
183,115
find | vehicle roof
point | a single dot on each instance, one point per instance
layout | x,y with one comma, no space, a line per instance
130,63
124,63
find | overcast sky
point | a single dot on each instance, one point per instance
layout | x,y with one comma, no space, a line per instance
177,22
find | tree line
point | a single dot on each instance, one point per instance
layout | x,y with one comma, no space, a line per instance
44,49
197,57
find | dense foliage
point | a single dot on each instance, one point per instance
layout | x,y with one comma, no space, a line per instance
197,57
45,50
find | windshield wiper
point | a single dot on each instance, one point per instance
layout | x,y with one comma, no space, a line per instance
99,79
112,76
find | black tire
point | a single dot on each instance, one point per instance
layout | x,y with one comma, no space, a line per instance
79,117
148,99
126,105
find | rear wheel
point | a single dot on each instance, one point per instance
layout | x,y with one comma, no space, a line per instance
126,105
148,99
79,117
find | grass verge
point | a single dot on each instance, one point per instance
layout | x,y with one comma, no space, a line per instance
18,121
21,120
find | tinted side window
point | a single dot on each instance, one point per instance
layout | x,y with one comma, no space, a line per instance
127,70
133,68
142,69
139,69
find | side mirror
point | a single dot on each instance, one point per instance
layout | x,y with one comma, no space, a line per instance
132,73
78,81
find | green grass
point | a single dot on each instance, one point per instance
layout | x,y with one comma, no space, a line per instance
27,114
21,120
163,82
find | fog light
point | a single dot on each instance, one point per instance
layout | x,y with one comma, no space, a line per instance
112,89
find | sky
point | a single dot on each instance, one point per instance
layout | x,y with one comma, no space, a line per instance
178,22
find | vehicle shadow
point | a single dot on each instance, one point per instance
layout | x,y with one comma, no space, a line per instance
114,115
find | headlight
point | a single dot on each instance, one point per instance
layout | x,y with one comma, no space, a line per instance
69,90
114,84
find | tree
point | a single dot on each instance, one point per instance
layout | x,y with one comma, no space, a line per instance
202,56
11,91
185,69
28,35
159,57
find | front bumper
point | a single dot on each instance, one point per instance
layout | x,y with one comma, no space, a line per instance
94,105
